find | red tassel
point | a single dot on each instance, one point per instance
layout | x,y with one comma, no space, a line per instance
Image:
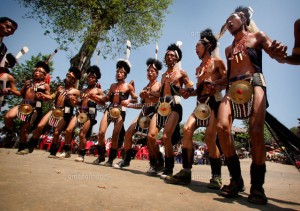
48,79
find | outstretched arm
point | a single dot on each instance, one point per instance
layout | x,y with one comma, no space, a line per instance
12,87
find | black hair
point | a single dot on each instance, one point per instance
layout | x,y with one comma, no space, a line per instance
4,19
124,64
44,65
11,60
207,34
94,70
155,62
246,12
76,72
174,47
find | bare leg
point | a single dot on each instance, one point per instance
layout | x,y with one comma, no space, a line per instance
10,116
82,143
101,140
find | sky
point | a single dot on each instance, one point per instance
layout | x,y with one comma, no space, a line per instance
184,22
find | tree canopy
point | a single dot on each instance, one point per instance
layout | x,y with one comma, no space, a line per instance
107,22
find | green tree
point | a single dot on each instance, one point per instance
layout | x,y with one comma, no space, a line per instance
267,135
199,135
107,22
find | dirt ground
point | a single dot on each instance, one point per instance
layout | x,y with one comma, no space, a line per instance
35,182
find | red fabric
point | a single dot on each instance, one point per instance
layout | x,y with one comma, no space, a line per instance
48,79
46,142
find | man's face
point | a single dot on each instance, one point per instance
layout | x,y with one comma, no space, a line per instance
70,77
200,48
39,73
151,73
91,80
120,74
171,58
234,23
7,29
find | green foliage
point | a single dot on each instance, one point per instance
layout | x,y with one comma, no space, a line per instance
199,136
267,135
109,22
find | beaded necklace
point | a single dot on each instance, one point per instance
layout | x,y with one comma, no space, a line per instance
238,49
149,86
119,86
201,71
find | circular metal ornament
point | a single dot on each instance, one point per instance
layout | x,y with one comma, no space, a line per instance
115,112
164,109
57,113
82,118
144,122
202,111
25,109
240,92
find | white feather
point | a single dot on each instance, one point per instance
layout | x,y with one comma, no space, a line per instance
98,55
156,51
179,44
23,51
128,43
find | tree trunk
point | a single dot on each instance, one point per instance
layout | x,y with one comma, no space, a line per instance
82,59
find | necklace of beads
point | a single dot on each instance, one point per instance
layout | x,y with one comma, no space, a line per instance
239,49
201,71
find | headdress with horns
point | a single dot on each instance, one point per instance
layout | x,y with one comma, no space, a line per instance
94,70
156,64
208,39
44,65
250,24
76,72
124,63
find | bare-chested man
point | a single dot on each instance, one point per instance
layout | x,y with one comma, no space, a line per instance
7,85
61,113
210,74
246,98
30,111
7,28
169,112
117,95
148,105
86,117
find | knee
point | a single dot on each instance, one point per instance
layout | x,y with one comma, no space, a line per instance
223,129
151,140
101,134
151,136
69,131
187,130
8,117
39,127
256,131
128,134
165,136
81,135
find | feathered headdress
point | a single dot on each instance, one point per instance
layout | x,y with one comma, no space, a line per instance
250,24
125,62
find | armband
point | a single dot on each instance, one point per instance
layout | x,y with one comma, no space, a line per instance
53,95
